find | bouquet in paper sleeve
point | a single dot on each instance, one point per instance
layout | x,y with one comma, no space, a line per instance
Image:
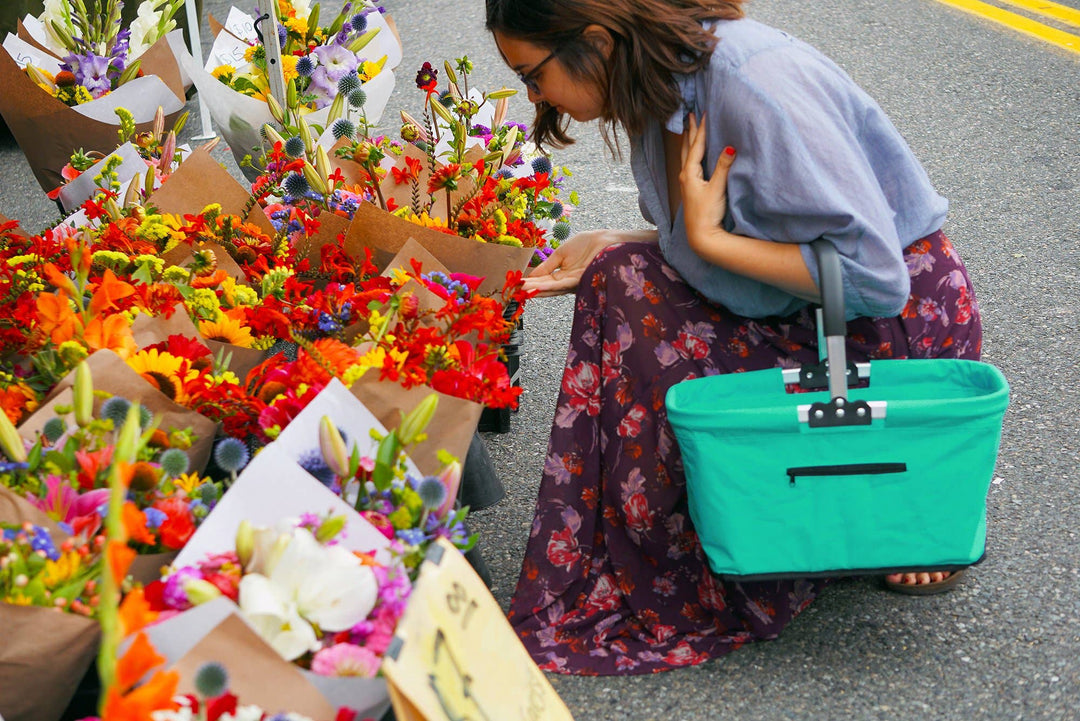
236,81
56,103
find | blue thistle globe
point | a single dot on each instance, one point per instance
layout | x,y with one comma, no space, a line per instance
231,455
115,409
211,680
208,493
561,231
174,463
314,463
54,428
295,184
305,67
557,210
541,165
343,128
294,146
145,417
348,83
358,22
432,492
357,98
504,174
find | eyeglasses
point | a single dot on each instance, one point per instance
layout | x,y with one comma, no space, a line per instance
529,79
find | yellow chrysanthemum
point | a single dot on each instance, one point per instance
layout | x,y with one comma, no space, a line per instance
227,330
223,72
62,569
188,483
298,25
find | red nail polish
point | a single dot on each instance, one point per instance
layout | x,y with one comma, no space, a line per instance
729,150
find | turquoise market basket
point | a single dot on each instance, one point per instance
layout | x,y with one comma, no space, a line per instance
890,477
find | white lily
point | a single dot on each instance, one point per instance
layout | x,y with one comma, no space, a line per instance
303,587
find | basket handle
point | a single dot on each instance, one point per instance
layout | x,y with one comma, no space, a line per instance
834,327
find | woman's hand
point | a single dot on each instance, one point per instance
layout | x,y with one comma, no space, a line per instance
562,270
704,201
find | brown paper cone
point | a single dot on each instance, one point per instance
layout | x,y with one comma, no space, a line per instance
18,510
147,568
112,375
17,231
257,674
385,234
43,656
199,181
451,428
49,131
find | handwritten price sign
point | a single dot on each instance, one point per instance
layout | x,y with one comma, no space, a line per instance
456,658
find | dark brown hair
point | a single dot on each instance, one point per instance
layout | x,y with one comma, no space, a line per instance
653,40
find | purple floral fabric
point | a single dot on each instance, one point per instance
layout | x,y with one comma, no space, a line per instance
614,579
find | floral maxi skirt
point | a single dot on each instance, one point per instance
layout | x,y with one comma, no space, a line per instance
614,579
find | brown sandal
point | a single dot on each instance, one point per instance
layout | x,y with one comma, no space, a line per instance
926,589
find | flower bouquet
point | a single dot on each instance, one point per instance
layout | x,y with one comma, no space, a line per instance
461,179
48,605
55,104
236,80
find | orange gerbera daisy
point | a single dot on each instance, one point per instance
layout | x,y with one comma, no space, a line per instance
227,330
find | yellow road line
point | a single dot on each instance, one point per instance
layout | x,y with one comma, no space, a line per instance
1061,13
1060,38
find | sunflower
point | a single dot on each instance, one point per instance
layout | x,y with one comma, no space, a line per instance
227,330
162,370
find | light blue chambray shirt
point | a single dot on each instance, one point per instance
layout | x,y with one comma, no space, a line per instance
816,157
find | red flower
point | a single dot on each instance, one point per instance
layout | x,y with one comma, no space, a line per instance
563,549
684,655
427,78
179,524
639,517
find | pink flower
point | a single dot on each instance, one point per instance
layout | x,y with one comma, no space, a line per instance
64,503
380,522
345,659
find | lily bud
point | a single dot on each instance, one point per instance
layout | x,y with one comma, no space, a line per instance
416,420
361,42
133,188
511,138
305,134
83,392
337,107
245,542
148,184
451,478
168,150
275,108
329,528
450,74
127,441
199,591
273,135
441,110
181,122
333,448
322,162
290,94
10,440
500,112
159,122
314,179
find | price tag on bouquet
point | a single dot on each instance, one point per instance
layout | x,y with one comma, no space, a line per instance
455,657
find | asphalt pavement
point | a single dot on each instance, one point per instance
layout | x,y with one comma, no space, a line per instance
995,117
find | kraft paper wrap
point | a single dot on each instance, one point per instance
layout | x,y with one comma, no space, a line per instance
43,656
112,375
386,234
149,330
451,428
16,509
49,131
257,674
199,181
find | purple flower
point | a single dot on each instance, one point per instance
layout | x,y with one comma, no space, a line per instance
174,595
91,71
336,61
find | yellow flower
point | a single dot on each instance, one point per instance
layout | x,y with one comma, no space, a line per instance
188,483
249,53
62,569
227,330
297,25
161,370
224,72
18,599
